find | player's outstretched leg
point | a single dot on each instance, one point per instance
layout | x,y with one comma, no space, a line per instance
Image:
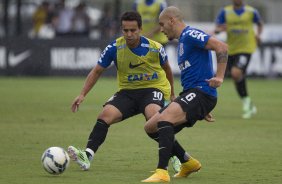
80,157
192,165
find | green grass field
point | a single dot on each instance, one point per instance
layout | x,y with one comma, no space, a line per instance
35,114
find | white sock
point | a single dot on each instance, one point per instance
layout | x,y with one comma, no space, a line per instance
91,152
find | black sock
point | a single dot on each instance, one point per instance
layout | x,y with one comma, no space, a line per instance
178,151
154,136
241,87
166,140
178,128
98,135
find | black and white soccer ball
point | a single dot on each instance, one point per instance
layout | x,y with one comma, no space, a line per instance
55,160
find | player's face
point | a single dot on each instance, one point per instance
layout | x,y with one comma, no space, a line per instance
167,27
131,33
237,2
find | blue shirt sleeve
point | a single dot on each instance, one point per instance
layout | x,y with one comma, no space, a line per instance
257,18
220,19
162,56
108,55
134,6
197,38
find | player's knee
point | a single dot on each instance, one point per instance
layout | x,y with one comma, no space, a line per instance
150,128
109,119
151,110
147,128
110,115
236,74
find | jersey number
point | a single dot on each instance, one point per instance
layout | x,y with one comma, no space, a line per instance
157,95
188,98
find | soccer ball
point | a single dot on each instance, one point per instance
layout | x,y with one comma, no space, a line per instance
55,160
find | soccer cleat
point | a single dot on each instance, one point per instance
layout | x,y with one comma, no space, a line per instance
79,157
160,175
248,108
192,165
175,164
250,112
246,103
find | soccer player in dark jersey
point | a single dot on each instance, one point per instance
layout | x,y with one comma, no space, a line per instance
199,95
150,11
238,21
145,81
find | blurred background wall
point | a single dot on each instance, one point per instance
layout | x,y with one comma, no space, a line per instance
17,35
194,11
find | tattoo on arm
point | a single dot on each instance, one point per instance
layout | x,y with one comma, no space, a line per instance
221,57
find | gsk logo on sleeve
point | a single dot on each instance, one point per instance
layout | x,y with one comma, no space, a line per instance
197,34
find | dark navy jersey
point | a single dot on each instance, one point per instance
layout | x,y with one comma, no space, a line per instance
194,61
109,54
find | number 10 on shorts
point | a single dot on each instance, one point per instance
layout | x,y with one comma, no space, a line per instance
157,95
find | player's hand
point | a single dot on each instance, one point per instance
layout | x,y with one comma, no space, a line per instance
258,40
209,118
215,82
77,101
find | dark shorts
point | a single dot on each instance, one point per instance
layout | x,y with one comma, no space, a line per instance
196,103
133,102
240,61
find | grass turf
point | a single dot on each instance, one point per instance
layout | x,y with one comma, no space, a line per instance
35,114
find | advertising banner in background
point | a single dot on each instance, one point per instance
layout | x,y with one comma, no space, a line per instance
76,56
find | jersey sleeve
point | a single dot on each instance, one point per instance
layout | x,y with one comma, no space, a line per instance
162,56
220,19
163,6
134,6
108,55
197,38
257,17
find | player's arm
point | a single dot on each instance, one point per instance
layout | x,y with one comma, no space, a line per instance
219,28
90,81
157,27
220,22
107,56
259,31
153,31
221,50
259,28
166,67
169,77
259,23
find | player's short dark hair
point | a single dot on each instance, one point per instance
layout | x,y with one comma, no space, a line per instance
132,16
